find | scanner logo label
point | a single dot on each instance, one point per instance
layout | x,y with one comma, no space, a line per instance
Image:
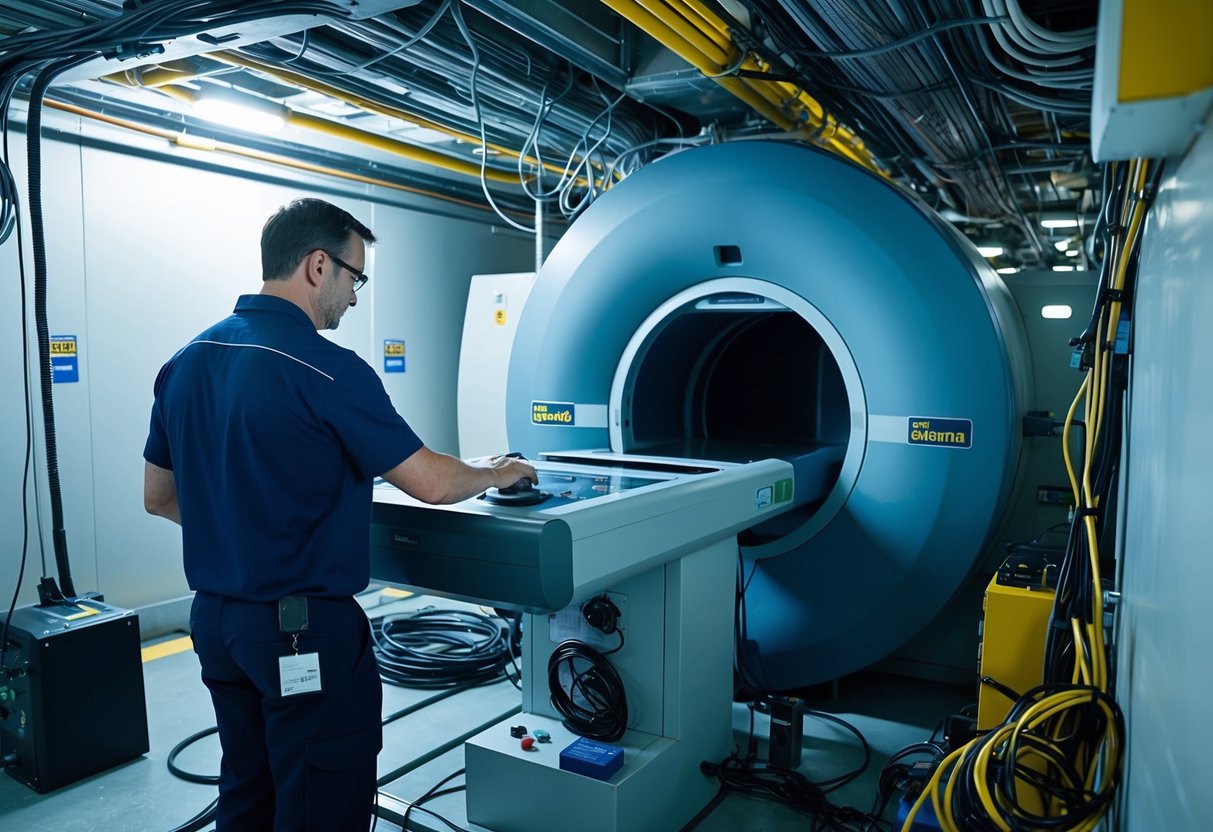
553,413
942,433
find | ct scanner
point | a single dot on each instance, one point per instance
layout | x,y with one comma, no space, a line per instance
751,300
750,343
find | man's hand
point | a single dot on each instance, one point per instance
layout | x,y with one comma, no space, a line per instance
441,479
507,470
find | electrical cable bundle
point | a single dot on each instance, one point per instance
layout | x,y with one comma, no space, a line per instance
587,691
746,775
441,648
899,776
1075,650
742,775
1055,761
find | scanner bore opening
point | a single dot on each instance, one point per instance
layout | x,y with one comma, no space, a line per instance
715,381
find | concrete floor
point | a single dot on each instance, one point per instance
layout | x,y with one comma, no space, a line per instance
143,796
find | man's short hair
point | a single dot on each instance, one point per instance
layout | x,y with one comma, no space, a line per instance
299,228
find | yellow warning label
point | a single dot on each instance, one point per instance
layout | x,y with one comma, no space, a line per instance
393,348
63,347
499,317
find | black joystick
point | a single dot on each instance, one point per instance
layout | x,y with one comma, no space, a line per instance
521,487
521,493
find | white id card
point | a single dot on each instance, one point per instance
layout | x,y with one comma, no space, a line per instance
299,673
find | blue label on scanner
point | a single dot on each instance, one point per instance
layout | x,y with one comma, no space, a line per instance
553,413
942,433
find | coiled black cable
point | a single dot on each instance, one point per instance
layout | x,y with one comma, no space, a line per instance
441,648
587,691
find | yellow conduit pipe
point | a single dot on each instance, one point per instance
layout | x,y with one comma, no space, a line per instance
422,155
705,20
713,59
847,143
398,148
200,143
693,37
169,72
710,50
304,82
652,25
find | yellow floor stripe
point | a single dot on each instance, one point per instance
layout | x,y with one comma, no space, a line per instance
167,648
180,645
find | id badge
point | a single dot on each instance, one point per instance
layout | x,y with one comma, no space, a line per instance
299,673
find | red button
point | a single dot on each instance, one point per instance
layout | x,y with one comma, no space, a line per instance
527,743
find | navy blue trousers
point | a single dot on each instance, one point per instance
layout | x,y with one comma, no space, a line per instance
295,763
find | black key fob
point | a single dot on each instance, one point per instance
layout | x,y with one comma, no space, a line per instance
292,614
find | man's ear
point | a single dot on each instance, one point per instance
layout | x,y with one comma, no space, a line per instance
314,267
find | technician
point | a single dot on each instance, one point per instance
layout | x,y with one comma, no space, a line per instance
265,440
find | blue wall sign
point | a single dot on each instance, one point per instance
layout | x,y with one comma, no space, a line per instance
65,367
393,356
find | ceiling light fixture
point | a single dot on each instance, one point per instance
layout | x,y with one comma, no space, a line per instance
1063,268
1056,311
989,251
1059,222
245,112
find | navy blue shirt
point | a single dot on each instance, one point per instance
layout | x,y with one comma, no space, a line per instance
274,435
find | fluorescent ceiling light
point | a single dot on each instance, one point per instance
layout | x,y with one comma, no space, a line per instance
1059,223
1008,270
236,114
1063,268
1072,252
1056,311
1062,245
989,251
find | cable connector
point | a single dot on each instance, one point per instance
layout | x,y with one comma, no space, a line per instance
135,49
49,594
1083,357
1040,423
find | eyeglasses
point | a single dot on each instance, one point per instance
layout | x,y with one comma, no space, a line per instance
360,278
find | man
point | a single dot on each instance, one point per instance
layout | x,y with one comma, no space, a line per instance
264,443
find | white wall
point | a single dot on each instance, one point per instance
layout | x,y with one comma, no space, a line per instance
143,253
1165,662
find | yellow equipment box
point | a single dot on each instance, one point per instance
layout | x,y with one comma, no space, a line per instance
1013,634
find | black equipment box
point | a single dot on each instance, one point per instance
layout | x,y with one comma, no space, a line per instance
74,704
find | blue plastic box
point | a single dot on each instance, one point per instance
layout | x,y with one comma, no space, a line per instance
593,759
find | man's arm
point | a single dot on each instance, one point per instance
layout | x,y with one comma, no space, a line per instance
441,479
160,492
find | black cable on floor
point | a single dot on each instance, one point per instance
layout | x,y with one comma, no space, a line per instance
207,815
737,774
